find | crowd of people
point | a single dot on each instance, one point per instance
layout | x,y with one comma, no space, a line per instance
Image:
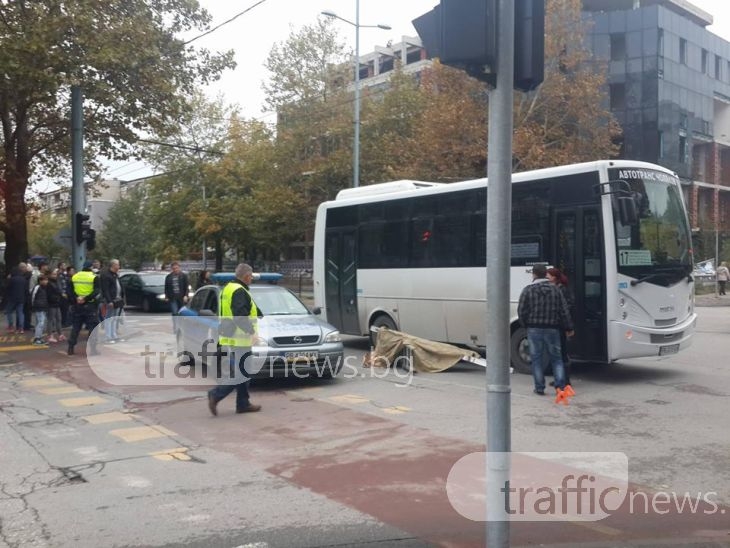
43,300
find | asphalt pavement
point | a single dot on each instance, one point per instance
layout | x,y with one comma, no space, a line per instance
361,460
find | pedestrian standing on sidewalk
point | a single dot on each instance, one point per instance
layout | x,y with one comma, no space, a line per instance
723,275
39,305
54,309
63,282
239,319
112,295
543,311
176,291
15,298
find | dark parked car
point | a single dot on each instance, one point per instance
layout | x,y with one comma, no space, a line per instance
289,335
145,290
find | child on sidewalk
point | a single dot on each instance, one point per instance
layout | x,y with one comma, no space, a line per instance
39,306
54,309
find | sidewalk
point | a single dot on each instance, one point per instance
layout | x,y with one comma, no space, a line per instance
712,300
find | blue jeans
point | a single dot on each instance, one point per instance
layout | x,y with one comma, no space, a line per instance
544,340
111,322
175,306
17,308
40,323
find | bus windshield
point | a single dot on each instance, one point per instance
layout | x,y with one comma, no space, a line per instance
657,248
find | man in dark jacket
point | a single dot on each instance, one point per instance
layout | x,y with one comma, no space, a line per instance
176,291
15,298
543,311
112,296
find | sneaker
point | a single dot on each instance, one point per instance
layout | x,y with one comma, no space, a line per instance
38,342
539,392
20,331
52,339
61,338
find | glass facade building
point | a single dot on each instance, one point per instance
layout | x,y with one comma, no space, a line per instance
669,88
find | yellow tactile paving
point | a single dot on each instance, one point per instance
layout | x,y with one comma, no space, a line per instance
179,453
42,381
139,433
23,347
396,410
79,402
349,398
105,418
58,390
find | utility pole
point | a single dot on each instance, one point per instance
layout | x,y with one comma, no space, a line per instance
499,221
78,196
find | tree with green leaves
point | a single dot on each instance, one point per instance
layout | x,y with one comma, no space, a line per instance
127,234
134,69
43,230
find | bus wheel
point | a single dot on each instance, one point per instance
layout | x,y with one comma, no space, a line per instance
383,320
520,351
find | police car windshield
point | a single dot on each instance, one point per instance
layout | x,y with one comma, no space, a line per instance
277,301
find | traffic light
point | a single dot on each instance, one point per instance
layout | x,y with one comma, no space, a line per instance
84,232
463,34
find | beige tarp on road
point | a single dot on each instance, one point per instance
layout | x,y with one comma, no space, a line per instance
428,356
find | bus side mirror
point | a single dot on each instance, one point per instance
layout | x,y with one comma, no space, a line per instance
628,211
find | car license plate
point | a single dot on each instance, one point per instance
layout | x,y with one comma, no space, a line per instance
301,356
666,350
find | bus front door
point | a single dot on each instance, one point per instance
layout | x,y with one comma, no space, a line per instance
341,281
579,254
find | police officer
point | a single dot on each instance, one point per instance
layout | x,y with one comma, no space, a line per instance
85,295
238,318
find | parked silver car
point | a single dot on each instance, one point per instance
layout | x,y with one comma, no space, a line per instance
291,339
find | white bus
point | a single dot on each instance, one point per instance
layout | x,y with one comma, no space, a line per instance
411,256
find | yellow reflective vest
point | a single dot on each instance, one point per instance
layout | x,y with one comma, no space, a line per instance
83,283
238,337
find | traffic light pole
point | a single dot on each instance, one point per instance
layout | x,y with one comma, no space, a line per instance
499,214
78,196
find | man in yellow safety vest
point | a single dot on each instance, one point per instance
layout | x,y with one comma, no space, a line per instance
238,326
84,295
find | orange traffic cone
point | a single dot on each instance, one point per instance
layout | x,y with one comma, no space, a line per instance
569,391
561,396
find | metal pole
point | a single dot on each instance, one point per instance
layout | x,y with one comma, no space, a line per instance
356,144
78,196
499,216
205,243
717,256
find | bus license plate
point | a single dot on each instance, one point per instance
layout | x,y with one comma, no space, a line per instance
666,350
301,356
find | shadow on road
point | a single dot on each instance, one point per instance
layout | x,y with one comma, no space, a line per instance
621,373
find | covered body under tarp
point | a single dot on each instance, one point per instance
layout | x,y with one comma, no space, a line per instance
394,347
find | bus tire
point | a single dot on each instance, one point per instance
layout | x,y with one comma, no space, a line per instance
381,320
520,352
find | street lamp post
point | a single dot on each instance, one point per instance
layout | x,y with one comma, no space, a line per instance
356,141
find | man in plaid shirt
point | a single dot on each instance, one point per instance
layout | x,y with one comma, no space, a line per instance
544,312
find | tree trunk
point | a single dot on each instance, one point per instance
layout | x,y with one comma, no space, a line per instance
15,229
